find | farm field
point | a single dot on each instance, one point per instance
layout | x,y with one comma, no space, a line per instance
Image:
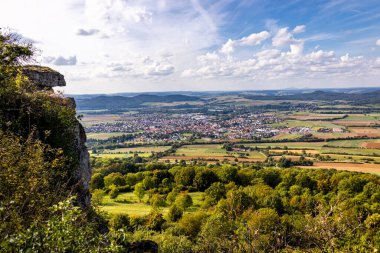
314,125
304,116
357,167
89,120
144,151
103,136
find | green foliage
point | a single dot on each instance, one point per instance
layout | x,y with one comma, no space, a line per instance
120,221
184,201
31,176
175,213
97,181
114,191
191,223
204,179
66,230
115,178
139,191
157,201
97,196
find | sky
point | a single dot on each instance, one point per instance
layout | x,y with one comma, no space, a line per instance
110,46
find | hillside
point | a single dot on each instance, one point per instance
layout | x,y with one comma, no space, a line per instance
354,98
120,102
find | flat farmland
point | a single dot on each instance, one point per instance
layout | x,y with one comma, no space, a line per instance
359,120
368,131
289,145
305,116
103,136
128,152
357,167
89,120
314,125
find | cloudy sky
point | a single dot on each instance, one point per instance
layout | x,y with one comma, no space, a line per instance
107,46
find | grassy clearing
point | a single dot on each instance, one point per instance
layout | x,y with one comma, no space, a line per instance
128,203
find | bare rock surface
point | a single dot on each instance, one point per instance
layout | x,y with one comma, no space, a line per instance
44,76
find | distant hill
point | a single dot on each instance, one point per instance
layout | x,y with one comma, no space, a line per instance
120,102
355,98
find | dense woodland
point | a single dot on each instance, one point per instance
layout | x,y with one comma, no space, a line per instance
244,208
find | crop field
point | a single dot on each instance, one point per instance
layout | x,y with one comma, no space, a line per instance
314,125
128,203
359,120
357,167
304,116
103,136
368,131
144,151
89,120
289,145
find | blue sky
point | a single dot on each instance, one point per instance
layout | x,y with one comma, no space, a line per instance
106,46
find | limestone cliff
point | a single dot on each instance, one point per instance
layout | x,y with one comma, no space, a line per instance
46,78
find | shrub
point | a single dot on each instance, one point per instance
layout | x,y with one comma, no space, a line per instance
114,192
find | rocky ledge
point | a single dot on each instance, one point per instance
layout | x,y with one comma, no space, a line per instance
44,77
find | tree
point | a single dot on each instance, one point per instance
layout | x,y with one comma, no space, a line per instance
97,196
216,191
114,191
175,213
204,178
120,221
185,176
139,191
97,181
157,201
191,223
184,201
115,178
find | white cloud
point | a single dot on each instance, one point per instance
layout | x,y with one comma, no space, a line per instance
228,47
299,29
61,61
255,38
283,37
282,63
378,42
89,32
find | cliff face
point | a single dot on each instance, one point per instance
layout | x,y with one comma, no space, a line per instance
46,78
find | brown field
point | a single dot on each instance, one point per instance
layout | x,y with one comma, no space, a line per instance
355,123
370,132
89,120
357,167
374,145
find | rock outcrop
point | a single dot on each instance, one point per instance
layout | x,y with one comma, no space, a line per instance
44,77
